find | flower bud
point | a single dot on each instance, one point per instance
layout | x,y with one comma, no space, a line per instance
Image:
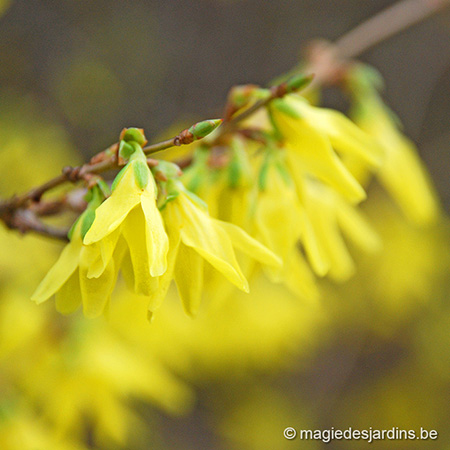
133,134
202,129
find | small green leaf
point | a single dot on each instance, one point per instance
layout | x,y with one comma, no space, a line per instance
286,108
125,150
88,220
141,173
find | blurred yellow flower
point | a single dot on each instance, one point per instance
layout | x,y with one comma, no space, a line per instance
314,135
278,198
402,173
329,217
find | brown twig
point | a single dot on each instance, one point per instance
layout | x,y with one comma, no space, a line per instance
25,220
14,212
390,21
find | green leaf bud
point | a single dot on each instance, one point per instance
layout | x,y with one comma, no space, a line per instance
202,129
134,134
298,82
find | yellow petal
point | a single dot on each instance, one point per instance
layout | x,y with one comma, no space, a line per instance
188,275
354,225
68,297
210,241
402,173
156,237
406,179
314,250
60,272
344,135
298,277
95,292
278,200
165,279
112,212
324,222
106,250
135,233
127,271
311,152
251,247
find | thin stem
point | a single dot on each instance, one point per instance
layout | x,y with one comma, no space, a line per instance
154,148
390,21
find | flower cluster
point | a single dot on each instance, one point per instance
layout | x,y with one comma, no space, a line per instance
127,233
281,189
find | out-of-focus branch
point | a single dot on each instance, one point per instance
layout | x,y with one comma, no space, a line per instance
390,21
25,220
329,61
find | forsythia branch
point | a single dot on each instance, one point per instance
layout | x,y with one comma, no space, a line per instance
327,61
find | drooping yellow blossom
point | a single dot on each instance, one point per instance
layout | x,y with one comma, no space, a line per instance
227,189
315,136
91,374
194,236
329,217
129,221
69,280
277,198
22,428
402,173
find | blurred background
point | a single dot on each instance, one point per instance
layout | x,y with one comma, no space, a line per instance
374,353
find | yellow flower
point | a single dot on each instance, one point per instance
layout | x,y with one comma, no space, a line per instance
329,216
194,237
93,372
277,198
68,278
402,173
129,221
314,135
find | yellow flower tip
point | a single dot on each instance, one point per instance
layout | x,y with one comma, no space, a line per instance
37,298
91,313
61,271
158,268
275,261
190,310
